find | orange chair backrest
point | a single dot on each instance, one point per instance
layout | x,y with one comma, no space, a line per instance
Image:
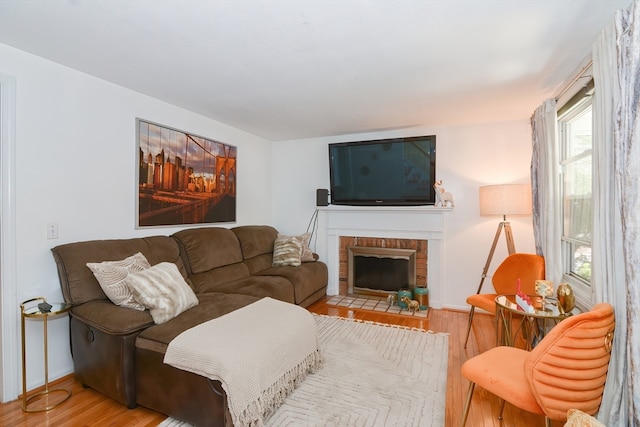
568,368
526,267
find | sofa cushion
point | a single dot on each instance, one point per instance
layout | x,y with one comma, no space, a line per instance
78,283
162,290
111,276
207,248
218,276
211,306
255,240
259,263
277,287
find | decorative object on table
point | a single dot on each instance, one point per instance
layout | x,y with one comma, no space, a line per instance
566,298
523,300
421,294
404,293
544,289
524,303
183,178
44,307
532,327
412,305
443,198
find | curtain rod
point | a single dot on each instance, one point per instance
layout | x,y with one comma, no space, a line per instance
574,80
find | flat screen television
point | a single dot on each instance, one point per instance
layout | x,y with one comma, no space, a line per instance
393,172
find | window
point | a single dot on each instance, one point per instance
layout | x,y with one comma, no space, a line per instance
575,134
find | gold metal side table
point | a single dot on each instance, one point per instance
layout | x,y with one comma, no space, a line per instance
30,309
533,326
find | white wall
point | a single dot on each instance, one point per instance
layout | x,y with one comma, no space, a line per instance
75,165
467,158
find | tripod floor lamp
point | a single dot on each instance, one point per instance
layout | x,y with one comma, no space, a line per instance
507,199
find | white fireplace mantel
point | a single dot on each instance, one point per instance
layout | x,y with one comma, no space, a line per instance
406,222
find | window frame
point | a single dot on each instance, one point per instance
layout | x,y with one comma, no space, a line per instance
580,103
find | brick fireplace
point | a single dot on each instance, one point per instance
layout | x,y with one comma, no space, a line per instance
385,265
422,226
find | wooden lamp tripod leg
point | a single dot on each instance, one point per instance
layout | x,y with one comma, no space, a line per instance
511,247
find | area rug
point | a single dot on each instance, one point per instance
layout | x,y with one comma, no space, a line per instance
373,375
374,304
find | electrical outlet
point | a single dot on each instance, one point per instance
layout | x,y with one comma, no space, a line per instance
52,230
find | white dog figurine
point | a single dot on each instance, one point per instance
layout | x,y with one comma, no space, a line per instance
442,197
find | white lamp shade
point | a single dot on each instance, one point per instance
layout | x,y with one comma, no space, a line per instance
507,199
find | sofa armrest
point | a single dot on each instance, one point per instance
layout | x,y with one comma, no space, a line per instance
103,339
112,319
309,280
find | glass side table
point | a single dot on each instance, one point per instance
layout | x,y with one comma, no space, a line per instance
532,326
30,309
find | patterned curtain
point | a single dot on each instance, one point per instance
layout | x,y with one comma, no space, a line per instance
616,242
627,146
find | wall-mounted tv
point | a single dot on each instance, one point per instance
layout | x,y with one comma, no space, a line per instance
393,172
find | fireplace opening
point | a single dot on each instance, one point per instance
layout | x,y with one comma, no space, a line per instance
380,271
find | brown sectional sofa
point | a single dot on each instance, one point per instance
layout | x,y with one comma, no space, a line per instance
119,351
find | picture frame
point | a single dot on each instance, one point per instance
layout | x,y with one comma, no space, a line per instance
183,178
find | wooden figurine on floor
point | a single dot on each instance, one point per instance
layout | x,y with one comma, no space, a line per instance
412,305
392,299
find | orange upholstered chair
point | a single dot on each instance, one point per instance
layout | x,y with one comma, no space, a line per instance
526,267
566,370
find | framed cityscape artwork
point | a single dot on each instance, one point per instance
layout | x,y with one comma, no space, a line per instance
183,178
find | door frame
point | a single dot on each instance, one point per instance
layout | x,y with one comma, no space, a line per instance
9,337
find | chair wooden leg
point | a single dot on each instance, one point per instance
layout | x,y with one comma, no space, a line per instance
469,326
547,421
501,409
467,404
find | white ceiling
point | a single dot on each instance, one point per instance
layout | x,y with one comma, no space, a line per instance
299,69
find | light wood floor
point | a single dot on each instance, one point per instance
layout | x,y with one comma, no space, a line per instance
89,408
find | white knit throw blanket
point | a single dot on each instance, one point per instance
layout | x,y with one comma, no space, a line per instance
259,353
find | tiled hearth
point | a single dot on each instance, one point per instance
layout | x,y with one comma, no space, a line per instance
372,304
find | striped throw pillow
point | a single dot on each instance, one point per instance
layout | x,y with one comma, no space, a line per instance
287,250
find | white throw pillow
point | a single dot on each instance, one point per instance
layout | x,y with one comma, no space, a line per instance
162,290
112,274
